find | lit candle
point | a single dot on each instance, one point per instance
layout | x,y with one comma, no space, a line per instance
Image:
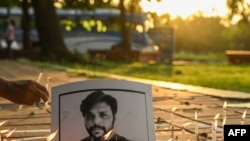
224,109
39,77
2,132
183,131
196,124
46,104
243,117
223,123
214,126
172,121
183,138
51,136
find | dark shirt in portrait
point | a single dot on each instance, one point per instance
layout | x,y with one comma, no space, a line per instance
114,137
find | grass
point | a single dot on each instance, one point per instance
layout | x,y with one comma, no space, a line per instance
211,71
221,76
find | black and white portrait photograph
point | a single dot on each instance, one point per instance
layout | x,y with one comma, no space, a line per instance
97,110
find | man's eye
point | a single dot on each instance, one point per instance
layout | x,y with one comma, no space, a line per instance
103,115
89,116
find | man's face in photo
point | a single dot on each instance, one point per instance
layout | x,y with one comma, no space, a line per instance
99,120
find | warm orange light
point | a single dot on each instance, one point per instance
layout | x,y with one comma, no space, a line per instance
185,8
216,116
10,133
107,135
1,123
225,105
51,136
4,131
244,115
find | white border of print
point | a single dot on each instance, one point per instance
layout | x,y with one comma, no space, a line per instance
134,119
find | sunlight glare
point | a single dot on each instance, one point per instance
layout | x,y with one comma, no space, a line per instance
185,8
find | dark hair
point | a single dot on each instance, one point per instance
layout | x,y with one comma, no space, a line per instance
96,97
12,22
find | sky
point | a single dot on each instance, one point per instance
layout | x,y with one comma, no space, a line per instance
185,8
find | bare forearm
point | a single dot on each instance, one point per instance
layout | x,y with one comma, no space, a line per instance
23,91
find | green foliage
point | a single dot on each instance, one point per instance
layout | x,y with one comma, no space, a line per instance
10,3
201,57
201,35
238,36
86,4
239,9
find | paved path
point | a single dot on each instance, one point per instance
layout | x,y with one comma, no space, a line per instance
34,123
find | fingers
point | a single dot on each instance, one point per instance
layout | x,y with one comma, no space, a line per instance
42,89
44,95
35,92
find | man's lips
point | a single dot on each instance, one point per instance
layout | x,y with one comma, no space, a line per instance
97,130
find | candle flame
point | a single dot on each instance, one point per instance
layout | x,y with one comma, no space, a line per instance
39,77
225,105
10,133
224,121
1,123
107,135
215,125
4,131
216,116
51,136
244,115
186,124
173,109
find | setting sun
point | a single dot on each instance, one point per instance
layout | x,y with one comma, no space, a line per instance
185,8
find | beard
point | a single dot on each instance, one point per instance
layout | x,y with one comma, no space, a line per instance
96,127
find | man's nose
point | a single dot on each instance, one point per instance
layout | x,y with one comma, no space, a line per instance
97,120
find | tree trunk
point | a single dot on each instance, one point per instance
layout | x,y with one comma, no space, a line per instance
125,30
53,47
26,25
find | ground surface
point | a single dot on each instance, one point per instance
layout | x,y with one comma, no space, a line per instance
33,123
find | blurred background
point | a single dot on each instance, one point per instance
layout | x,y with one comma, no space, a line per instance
180,41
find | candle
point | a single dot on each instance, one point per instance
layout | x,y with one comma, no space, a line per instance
214,126
224,109
243,117
183,136
46,104
39,77
1,123
223,123
196,124
51,136
172,121
10,133
2,132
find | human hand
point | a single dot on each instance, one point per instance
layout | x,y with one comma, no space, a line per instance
26,92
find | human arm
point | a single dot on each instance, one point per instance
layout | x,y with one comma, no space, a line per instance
25,92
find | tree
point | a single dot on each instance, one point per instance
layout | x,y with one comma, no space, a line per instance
239,8
240,32
53,47
125,6
26,25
